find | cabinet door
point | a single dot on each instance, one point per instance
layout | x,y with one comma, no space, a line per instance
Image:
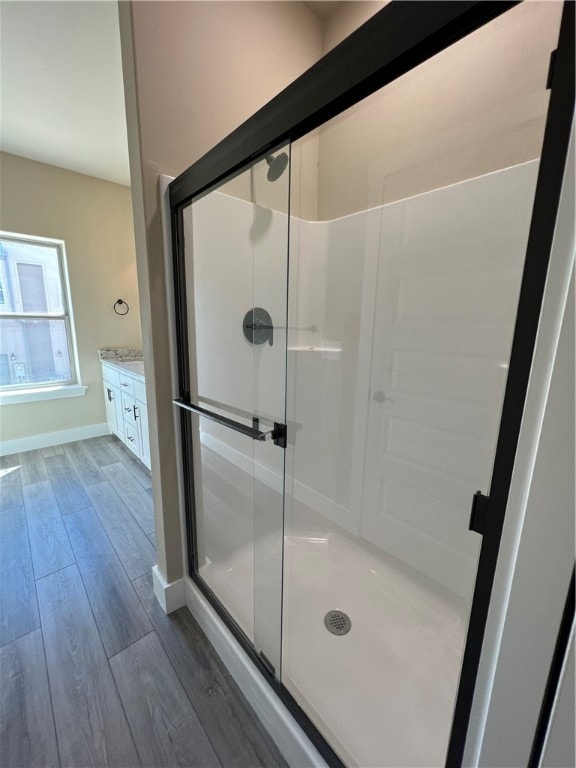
143,426
110,406
117,403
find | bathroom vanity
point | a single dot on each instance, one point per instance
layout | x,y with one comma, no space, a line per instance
125,398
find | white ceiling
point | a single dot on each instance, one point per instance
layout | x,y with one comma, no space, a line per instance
61,90
61,94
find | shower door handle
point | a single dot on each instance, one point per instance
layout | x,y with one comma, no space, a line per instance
278,434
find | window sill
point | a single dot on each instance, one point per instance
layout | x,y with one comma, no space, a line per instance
11,397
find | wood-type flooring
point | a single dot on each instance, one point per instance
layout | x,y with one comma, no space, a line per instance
92,672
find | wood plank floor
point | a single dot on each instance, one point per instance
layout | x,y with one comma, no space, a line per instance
18,604
92,672
26,706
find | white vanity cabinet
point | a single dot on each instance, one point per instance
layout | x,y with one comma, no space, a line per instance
125,397
112,398
142,415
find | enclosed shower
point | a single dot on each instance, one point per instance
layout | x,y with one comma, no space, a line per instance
346,304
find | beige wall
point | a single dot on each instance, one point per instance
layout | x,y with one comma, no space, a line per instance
477,107
209,66
346,18
193,72
94,218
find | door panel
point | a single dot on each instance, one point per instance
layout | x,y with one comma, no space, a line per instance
444,317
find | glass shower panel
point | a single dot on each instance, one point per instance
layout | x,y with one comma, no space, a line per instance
271,195
236,282
408,231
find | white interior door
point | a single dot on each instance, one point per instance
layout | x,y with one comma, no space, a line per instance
448,280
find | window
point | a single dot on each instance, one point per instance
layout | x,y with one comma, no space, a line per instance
37,346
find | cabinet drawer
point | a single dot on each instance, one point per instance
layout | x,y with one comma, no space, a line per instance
128,407
126,385
111,375
139,391
132,437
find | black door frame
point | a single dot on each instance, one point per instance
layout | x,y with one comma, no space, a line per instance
398,38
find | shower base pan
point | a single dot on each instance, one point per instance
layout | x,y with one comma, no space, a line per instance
383,693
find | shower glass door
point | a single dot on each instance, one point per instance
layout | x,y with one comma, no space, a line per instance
235,246
344,344
410,216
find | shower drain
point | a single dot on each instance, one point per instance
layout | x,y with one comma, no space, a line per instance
337,622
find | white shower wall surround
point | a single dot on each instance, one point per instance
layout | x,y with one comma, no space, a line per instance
395,386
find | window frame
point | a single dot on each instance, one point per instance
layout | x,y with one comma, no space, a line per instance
50,388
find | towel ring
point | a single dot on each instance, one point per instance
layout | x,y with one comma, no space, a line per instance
118,304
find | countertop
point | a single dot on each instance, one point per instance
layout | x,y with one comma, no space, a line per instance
133,367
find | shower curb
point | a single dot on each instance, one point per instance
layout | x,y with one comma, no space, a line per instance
274,716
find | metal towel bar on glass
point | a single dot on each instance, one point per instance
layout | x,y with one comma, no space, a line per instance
253,432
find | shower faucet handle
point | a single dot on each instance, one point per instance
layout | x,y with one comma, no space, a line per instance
257,326
379,397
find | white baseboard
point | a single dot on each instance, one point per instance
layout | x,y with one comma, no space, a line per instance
22,444
169,595
275,717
